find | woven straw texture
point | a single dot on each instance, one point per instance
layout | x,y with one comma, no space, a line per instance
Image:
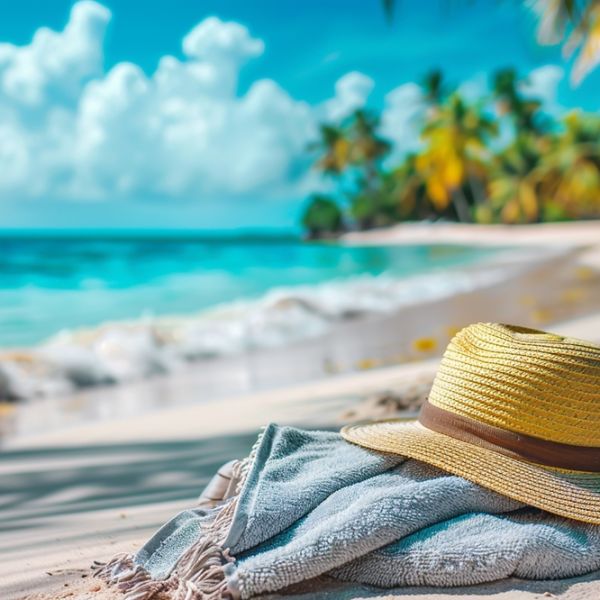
520,380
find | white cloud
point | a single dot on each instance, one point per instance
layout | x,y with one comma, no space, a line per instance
216,41
55,66
542,83
351,92
475,88
69,129
182,132
402,118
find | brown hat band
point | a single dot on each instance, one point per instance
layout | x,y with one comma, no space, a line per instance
510,443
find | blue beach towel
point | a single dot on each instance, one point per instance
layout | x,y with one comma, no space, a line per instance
308,504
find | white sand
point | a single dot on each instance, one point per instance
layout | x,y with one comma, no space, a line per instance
108,486
105,487
577,233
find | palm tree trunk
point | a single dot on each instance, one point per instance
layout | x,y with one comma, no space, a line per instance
461,206
476,189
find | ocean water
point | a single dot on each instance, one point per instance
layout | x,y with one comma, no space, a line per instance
76,313
48,285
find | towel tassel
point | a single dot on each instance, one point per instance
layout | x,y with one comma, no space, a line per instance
200,572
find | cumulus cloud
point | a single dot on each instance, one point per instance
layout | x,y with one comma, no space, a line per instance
351,92
216,41
70,129
54,68
542,83
402,118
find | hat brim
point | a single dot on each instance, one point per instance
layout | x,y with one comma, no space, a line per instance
571,494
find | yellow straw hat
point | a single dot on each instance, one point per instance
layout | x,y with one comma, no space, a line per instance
514,410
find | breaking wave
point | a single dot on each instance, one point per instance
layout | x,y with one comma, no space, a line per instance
123,351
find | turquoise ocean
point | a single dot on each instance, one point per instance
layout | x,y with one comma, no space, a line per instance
58,283
83,311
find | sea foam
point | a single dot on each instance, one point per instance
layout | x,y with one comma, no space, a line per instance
117,352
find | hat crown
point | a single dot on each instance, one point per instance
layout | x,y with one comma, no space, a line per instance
523,380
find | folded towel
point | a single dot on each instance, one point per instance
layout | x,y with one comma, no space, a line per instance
308,504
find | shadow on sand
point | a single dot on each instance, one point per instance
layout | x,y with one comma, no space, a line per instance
42,483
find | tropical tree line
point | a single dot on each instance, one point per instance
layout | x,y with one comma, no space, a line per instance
498,159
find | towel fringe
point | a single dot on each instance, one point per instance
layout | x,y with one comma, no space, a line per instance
200,571
121,571
198,575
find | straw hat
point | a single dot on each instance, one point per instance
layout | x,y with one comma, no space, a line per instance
514,410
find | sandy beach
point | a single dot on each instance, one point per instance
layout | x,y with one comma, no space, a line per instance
101,480
577,233
105,488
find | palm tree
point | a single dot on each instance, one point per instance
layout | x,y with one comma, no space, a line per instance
577,25
333,148
367,148
434,89
513,188
570,172
452,163
352,152
367,151
407,191
523,111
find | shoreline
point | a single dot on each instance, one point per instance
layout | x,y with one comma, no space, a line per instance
114,352
544,289
563,234
122,352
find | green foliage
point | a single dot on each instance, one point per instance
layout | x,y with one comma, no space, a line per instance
548,169
322,216
434,87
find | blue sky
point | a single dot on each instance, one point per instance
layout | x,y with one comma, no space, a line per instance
157,114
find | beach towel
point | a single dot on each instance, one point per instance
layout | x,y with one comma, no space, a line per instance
308,503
